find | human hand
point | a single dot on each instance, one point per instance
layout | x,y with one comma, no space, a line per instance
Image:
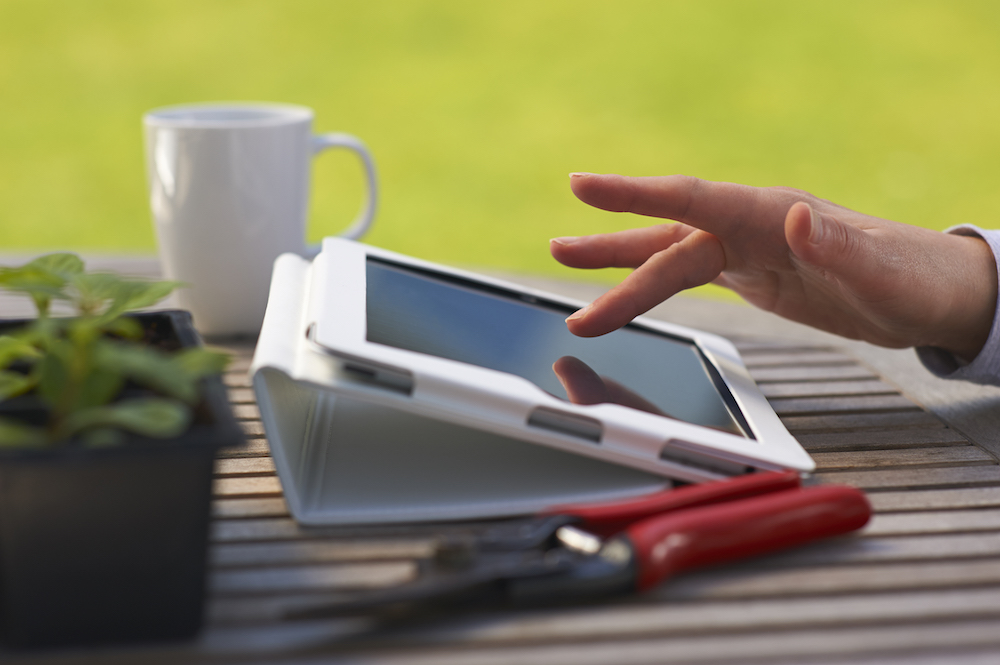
787,252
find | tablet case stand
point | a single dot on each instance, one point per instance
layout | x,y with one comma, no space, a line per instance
346,460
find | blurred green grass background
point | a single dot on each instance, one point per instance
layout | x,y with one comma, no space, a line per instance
476,112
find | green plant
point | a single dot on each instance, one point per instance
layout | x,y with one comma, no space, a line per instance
76,368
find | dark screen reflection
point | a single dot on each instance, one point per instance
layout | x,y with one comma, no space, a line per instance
411,310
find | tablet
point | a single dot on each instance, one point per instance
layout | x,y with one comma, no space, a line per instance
481,353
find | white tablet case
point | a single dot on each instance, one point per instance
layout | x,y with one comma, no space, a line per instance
348,453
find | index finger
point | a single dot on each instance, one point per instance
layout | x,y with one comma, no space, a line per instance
717,207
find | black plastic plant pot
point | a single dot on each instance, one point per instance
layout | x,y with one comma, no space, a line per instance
109,545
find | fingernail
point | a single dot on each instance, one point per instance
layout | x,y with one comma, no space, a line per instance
579,174
579,314
816,227
568,240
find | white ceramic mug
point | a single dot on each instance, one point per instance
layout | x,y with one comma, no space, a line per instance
229,189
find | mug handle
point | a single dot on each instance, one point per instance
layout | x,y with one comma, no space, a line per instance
360,226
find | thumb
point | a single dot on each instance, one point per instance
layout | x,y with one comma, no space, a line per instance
823,241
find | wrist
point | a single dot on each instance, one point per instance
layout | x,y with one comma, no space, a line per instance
973,297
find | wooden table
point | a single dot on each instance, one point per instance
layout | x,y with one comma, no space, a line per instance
921,584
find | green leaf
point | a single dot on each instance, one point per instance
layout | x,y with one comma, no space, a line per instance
95,290
28,277
83,331
14,434
63,264
148,416
54,371
17,347
44,278
40,331
99,387
145,294
42,286
112,295
200,362
147,366
124,327
13,384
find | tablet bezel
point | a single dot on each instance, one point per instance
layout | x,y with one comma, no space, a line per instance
511,405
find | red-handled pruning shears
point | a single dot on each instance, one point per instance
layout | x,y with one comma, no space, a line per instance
577,552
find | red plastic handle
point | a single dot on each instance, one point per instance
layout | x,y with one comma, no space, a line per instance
715,534
606,519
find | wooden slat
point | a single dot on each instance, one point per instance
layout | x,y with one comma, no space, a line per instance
246,411
889,549
311,577
241,396
916,478
236,379
890,459
251,448
253,428
881,439
753,346
250,487
241,466
261,529
743,582
827,388
797,406
783,358
941,499
318,551
224,612
798,373
947,521
845,422
285,528
254,508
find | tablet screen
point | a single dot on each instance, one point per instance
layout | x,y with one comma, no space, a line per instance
449,317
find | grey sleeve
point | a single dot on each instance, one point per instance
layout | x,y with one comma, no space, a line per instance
985,368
